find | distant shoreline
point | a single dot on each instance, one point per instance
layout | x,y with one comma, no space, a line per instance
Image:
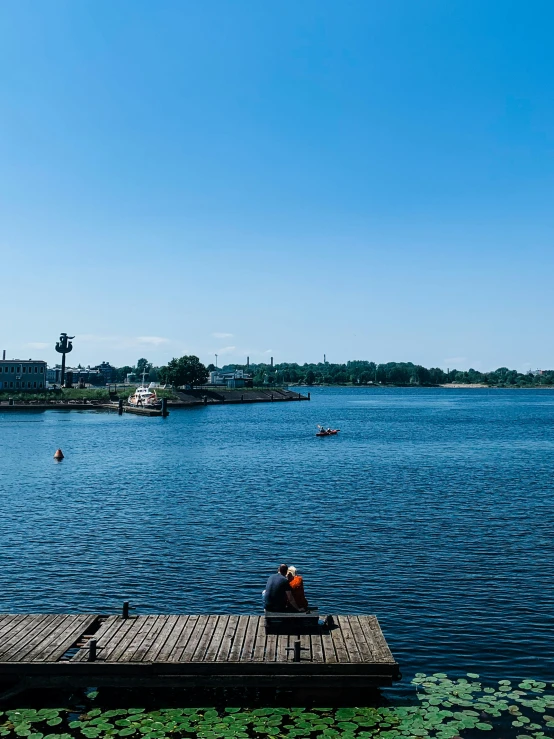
453,385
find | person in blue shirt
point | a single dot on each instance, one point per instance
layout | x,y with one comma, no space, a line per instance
278,592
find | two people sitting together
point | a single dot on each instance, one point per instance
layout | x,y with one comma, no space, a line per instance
284,591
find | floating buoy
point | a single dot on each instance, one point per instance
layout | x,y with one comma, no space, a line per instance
58,455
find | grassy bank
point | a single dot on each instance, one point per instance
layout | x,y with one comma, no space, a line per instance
89,394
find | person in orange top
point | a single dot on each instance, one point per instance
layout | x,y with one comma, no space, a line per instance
297,585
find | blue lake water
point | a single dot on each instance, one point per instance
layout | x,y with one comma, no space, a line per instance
432,508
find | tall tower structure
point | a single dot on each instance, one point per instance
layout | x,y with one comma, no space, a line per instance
63,347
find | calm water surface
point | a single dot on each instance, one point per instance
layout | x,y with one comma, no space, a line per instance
432,509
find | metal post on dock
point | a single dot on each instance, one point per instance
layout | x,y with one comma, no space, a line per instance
92,650
120,407
164,408
125,611
296,649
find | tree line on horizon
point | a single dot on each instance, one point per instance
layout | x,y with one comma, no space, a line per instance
188,370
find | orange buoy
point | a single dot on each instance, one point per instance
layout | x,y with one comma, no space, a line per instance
58,455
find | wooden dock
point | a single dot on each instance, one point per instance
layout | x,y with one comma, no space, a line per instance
53,650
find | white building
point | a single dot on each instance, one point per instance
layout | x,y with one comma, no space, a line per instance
238,378
22,374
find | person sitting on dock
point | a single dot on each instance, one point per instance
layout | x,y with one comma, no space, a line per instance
278,594
297,585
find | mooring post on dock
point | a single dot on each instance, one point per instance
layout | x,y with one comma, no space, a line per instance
271,396
296,649
10,401
164,408
309,396
120,407
125,611
92,650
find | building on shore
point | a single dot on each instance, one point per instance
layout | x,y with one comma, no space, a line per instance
79,376
108,372
22,374
54,375
237,378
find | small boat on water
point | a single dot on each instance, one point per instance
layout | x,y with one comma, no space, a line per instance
326,432
144,397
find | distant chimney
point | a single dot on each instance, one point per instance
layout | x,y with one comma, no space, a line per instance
247,362
272,361
4,354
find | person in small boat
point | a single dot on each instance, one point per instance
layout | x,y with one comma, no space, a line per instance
297,585
278,594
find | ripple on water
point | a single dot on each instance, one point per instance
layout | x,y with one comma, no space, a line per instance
432,508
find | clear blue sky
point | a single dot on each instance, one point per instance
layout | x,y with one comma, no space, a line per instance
372,180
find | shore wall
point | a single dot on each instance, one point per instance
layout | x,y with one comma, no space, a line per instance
184,400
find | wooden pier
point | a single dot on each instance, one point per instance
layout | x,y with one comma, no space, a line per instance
57,650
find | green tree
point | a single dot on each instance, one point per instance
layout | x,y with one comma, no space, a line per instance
310,377
122,372
143,365
187,370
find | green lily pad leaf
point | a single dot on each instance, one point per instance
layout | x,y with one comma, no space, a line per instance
54,721
483,726
472,675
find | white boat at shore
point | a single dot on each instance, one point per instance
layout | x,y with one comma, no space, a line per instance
144,397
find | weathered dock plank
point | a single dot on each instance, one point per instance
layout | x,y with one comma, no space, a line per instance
42,637
193,650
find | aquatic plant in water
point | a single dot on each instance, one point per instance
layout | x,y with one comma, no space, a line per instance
445,709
